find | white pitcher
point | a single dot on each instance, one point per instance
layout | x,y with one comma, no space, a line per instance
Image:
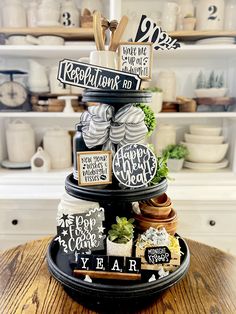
210,14
13,14
38,80
169,16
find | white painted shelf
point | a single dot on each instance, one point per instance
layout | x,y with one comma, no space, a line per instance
39,115
82,50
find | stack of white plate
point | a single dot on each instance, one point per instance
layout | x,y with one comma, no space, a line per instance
206,148
216,41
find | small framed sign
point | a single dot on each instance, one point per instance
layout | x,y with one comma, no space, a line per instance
94,167
157,255
136,58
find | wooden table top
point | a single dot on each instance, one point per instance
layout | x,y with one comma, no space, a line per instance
27,287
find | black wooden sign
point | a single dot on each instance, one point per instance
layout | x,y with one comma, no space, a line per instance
157,255
134,165
148,31
81,232
91,76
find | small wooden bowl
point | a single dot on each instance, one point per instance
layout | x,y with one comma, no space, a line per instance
155,212
161,201
169,223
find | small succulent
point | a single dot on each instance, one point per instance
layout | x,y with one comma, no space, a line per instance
122,231
178,151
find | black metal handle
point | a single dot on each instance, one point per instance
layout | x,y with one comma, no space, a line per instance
212,223
14,222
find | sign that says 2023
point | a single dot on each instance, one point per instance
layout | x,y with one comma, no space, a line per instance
134,165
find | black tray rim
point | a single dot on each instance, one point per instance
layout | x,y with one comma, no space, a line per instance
127,195
78,284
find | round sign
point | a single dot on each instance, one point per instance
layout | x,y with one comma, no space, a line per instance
134,165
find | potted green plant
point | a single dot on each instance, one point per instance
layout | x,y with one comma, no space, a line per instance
120,237
189,22
157,99
176,155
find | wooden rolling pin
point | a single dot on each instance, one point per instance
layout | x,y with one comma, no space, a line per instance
118,33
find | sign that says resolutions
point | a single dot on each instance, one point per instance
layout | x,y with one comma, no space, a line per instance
134,165
91,76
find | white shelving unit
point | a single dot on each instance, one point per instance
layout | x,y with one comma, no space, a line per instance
199,197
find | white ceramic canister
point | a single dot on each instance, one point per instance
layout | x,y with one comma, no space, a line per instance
230,20
41,161
69,14
169,16
165,135
156,104
20,139
166,80
32,14
72,205
57,143
56,87
210,14
49,13
13,14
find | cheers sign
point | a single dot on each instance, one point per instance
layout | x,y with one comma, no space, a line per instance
134,165
96,77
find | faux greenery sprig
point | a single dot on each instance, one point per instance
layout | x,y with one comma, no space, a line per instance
149,120
162,168
122,231
178,151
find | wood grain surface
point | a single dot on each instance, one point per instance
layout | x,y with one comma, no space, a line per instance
27,287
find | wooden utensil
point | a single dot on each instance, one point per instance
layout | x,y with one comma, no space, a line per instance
112,27
105,26
118,33
97,29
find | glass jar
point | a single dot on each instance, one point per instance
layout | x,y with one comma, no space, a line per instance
167,82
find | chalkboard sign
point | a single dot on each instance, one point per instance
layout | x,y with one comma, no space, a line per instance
94,167
134,165
136,58
157,255
148,31
92,76
81,232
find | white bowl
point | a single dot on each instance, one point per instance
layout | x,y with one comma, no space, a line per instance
205,130
210,92
203,139
206,153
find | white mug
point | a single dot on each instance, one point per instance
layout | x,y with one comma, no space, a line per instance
107,59
169,16
46,40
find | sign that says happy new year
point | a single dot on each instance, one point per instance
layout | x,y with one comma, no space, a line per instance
134,165
136,58
81,232
96,77
149,31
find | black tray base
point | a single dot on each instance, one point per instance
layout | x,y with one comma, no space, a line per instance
110,296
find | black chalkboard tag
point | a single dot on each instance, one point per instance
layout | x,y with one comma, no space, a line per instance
92,76
157,255
134,165
148,31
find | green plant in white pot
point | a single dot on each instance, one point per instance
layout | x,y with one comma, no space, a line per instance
176,155
120,237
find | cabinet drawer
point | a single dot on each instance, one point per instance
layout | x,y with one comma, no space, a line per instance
207,222
27,222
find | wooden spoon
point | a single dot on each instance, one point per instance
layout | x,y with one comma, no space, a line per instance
118,33
112,27
97,29
105,26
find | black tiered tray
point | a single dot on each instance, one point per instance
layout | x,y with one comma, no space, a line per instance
110,296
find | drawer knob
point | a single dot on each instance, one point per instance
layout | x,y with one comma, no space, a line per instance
14,222
212,223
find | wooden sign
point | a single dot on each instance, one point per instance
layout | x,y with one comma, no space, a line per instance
91,76
108,267
136,58
94,167
157,255
81,232
148,31
134,165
